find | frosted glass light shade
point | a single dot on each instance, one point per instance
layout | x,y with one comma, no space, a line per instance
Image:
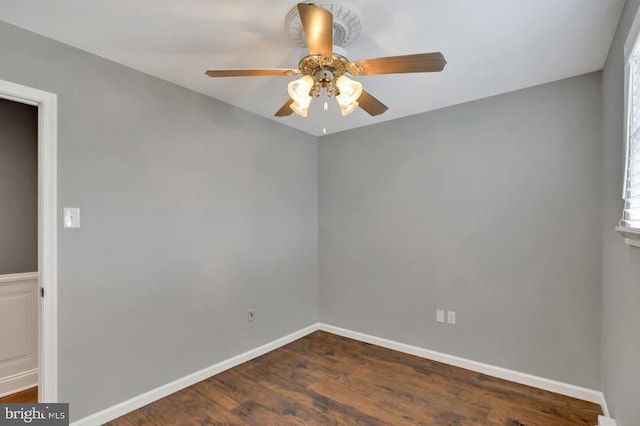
348,109
299,89
350,92
299,92
299,109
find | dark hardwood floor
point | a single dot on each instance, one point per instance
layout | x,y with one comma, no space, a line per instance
27,395
327,379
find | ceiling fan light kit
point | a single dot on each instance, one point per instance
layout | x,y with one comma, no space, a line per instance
325,27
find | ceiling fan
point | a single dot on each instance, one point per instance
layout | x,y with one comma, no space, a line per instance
323,69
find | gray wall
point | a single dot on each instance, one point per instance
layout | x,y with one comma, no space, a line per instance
486,208
18,187
621,264
192,211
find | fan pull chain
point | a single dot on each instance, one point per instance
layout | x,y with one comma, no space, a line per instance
325,109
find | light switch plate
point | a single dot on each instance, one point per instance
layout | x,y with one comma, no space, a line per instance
71,217
440,315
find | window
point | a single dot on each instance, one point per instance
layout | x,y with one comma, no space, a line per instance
630,223
631,217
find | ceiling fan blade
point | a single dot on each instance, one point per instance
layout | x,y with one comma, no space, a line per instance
283,72
421,62
285,110
370,104
318,29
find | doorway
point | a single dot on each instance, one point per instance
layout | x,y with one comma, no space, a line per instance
18,250
41,286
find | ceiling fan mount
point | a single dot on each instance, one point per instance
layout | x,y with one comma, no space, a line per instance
347,23
325,70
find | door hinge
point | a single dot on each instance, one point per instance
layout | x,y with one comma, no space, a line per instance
41,291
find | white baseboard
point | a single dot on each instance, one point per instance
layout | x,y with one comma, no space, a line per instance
490,370
18,382
134,403
605,409
606,421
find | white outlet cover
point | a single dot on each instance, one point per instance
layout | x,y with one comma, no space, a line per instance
440,315
71,217
451,317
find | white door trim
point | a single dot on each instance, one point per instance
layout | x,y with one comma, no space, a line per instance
47,231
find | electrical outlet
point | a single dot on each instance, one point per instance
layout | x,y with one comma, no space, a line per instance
252,313
451,317
440,315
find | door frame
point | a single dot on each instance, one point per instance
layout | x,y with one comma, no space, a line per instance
47,104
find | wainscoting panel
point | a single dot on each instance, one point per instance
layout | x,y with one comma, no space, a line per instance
18,332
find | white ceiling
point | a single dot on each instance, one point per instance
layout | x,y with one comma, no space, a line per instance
492,46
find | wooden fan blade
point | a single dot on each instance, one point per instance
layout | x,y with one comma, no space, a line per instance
283,72
370,104
318,29
421,62
285,110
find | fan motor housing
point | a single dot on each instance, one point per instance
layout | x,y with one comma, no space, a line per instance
311,64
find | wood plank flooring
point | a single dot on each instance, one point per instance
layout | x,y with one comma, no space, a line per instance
327,379
27,395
